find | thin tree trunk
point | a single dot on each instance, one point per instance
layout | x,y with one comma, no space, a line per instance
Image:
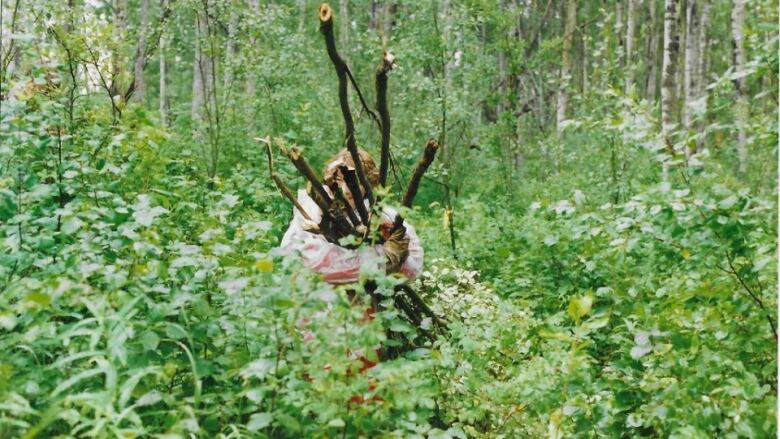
703,44
668,75
691,54
249,78
202,79
563,97
630,30
739,61
139,88
619,29
119,8
230,50
669,66
585,60
373,23
387,18
701,68
163,82
651,53
681,34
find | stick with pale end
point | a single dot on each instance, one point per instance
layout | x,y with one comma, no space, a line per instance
422,166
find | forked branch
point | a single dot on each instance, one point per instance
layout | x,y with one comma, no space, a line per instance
385,65
280,184
326,28
422,166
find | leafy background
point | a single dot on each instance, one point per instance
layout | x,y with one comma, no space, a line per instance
588,296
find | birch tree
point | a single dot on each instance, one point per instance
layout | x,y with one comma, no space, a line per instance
230,50
739,61
163,94
691,54
669,68
630,31
202,74
651,53
563,97
119,18
139,86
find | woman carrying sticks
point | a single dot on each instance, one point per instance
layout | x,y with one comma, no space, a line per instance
400,252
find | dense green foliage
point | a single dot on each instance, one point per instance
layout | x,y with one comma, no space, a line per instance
587,295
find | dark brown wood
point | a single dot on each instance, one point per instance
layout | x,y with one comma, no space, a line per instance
352,184
385,65
289,195
326,28
425,161
339,195
303,167
280,184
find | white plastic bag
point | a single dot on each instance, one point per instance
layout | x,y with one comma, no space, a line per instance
337,264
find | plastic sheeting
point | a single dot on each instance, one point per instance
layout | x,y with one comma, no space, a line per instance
337,264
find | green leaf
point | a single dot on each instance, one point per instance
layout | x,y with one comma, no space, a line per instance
149,340
580,307
259,421
337,423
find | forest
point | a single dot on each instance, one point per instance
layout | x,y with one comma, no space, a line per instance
588,190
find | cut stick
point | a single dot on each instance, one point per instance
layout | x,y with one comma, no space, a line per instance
422,166
289,195
303,167
385,65
347,207
354,189
283,187
330,222
326,28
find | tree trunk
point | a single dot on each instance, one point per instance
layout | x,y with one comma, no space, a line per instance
651,54
250,78
119,8
739,61
563,97
373,24
669,76
703,42
630,30
230,49
680,70
691,54
163,79
619,29
139,87
201,82
701,68
669,66
387,18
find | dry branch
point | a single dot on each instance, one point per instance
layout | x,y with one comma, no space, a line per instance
339,195
283,187
352,184
326,28
422,166
385,65
303,167
334,224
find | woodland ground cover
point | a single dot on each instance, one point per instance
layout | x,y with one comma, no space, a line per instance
599,285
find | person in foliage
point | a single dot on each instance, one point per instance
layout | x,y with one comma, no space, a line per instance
400,252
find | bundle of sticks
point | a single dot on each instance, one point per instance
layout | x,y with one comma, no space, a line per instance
339,219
